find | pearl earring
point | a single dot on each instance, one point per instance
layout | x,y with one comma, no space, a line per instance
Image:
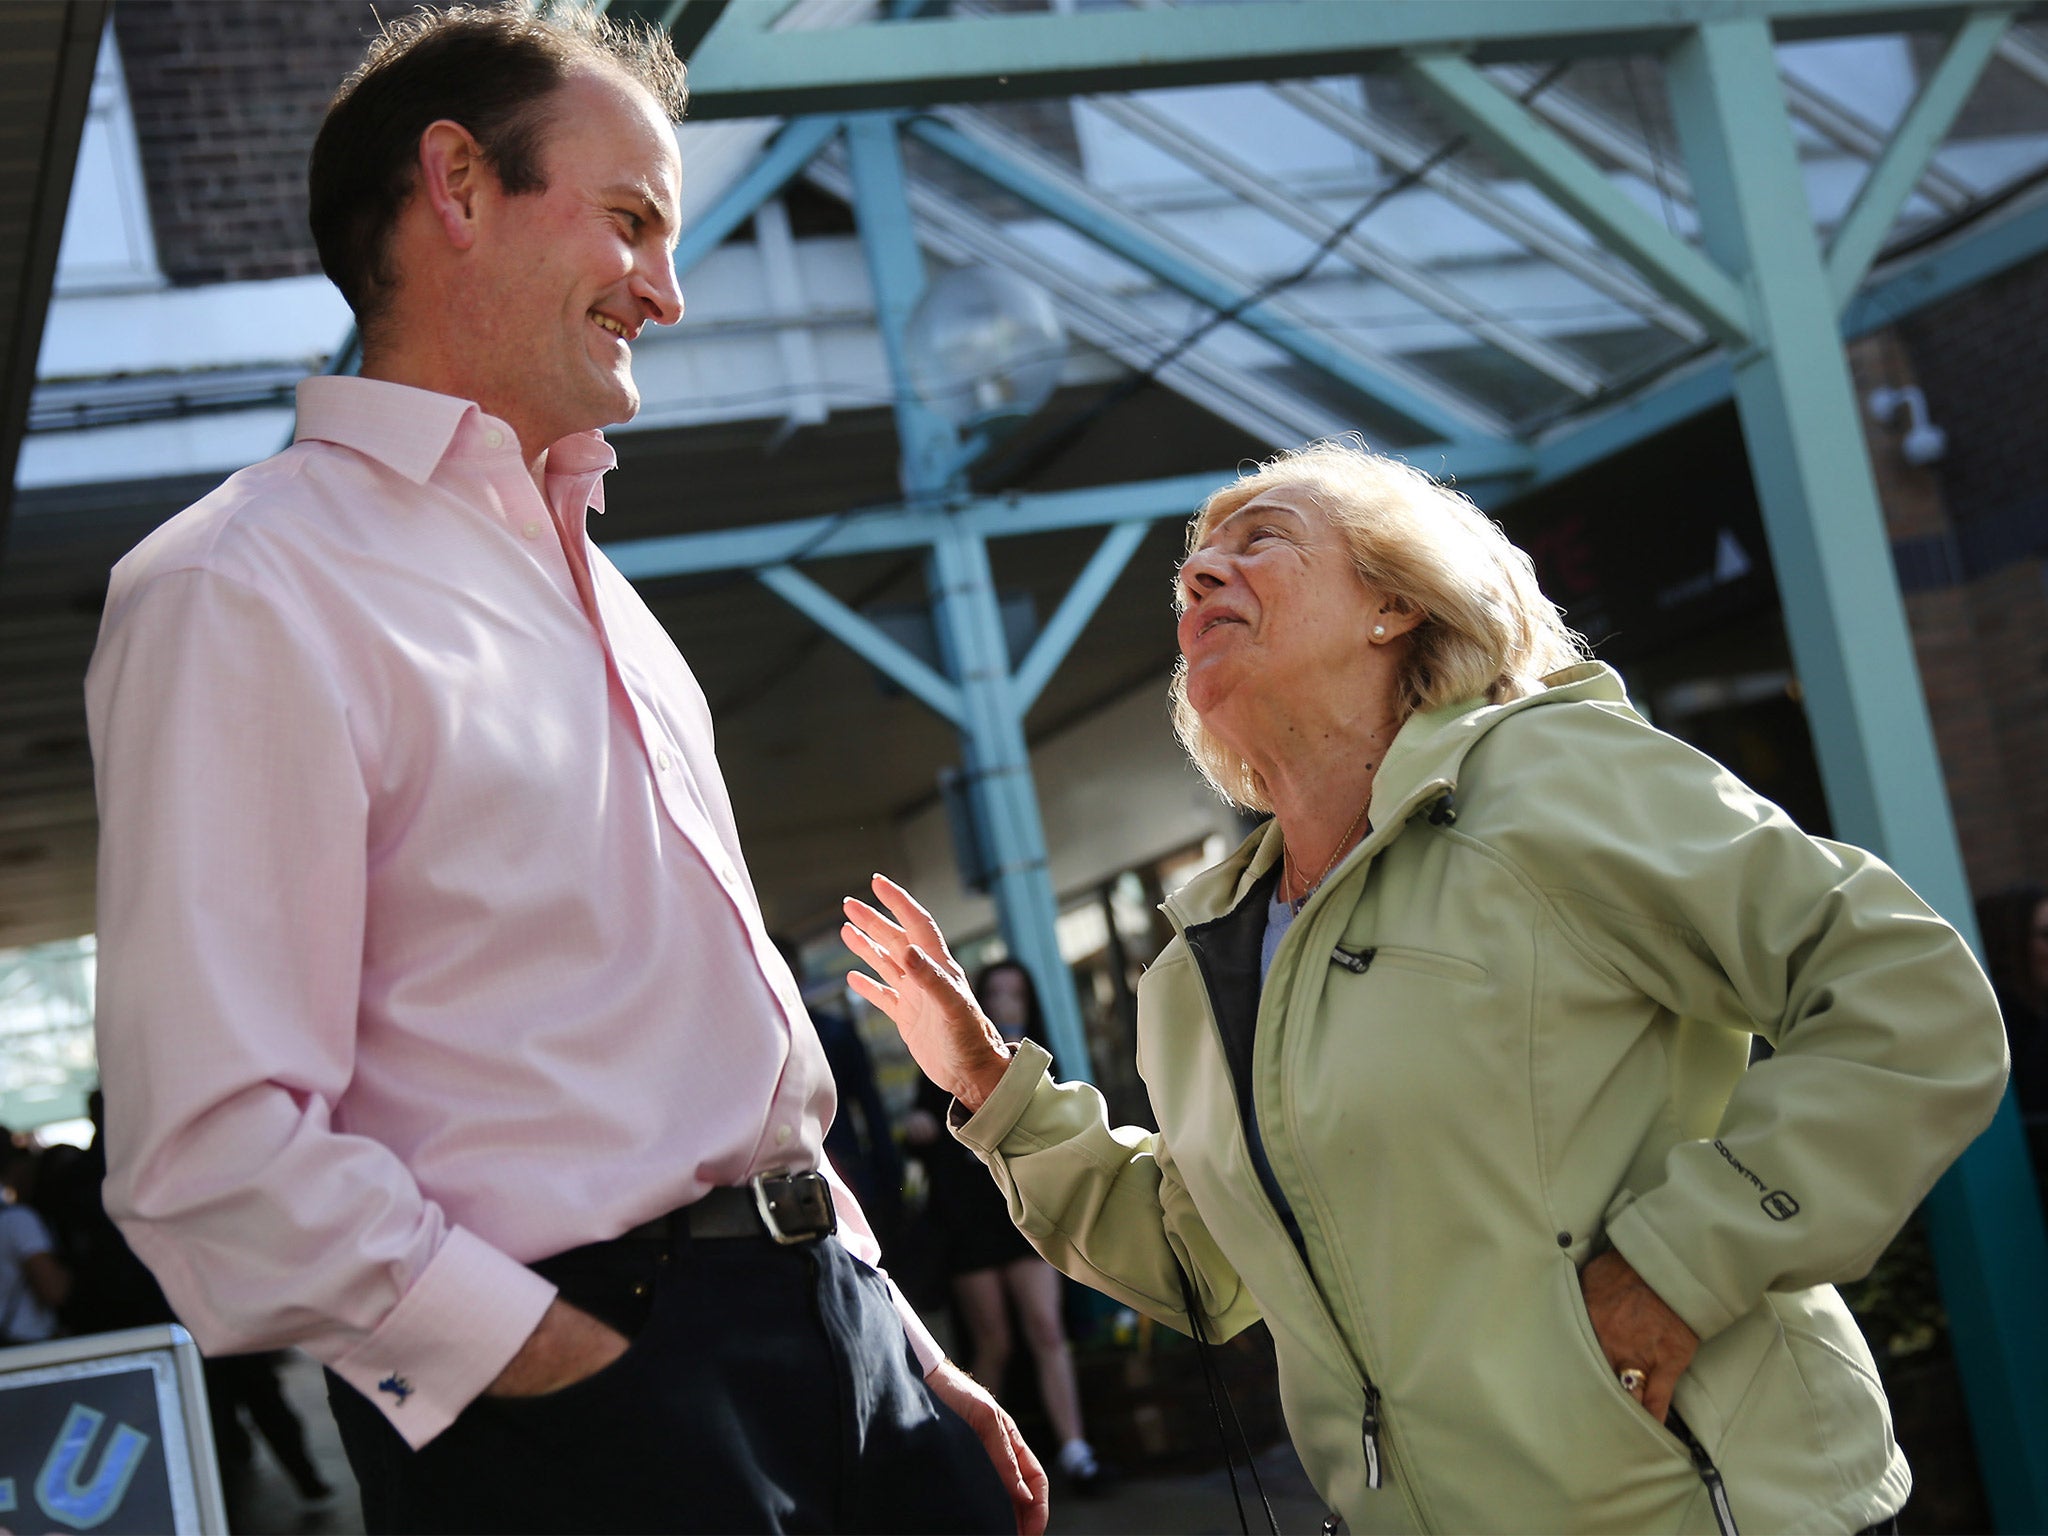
1379,631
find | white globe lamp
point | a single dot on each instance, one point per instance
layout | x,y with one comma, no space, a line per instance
984,348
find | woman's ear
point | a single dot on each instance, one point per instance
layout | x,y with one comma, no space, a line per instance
1394,617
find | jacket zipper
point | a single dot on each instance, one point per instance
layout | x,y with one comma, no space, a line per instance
1371,1429
1369,1434
1717,1490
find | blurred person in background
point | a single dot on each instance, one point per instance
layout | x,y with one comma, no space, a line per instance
33,1280
110,1287
1451,1059
991,1266
859,1141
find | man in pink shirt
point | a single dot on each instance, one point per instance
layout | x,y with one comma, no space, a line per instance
440,1032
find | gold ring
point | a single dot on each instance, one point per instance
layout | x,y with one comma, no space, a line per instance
1633,1380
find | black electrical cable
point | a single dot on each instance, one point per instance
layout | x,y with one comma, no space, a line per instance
1022,463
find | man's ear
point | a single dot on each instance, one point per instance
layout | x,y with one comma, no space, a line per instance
452,173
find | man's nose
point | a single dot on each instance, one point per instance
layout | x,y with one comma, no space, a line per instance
658,286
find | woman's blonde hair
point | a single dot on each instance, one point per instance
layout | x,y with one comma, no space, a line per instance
1487,629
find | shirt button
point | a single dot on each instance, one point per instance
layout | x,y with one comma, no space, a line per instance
494,438
661,762
782,1135
532,529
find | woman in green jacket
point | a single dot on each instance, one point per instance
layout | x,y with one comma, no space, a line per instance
1451,1058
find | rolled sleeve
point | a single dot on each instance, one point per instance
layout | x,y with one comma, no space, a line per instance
984,1130
1887,1056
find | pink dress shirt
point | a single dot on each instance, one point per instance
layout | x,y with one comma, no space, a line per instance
426,948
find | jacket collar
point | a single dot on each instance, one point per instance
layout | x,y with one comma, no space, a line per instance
1420,771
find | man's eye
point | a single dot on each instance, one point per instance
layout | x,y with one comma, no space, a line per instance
632,220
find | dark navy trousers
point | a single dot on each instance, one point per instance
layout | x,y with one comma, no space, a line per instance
767,1388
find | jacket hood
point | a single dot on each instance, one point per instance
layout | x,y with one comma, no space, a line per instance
1421,772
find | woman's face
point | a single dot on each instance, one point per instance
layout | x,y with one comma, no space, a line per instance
1006,1002
1273,605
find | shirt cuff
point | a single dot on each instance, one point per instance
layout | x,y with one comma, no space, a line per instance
922,1344
448,1338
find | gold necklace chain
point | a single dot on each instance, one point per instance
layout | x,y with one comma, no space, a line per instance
1342,843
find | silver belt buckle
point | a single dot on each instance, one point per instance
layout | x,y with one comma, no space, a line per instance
795,1207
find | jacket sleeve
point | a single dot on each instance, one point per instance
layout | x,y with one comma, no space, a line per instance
1888,1052
1105,1206
232,884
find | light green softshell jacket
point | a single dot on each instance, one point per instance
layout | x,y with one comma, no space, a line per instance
1544,1055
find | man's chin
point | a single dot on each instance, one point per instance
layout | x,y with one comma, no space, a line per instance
622,401
607,408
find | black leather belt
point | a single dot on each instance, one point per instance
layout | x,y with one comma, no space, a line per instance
789,1207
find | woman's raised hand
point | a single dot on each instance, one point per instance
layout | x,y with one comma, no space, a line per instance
923,990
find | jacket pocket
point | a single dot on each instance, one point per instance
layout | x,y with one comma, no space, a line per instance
1430,962
1611,1391
1560,1437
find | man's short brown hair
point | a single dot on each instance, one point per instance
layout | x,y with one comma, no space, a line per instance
494,70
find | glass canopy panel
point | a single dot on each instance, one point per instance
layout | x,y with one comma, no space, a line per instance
1359,215
47,1065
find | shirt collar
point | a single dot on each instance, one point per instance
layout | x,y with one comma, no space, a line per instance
584,454
411,430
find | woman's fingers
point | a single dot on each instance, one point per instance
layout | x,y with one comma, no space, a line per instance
1657,1392
909,911
885,998
874,924
886,965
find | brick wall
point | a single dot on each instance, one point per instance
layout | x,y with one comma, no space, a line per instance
1982,357
1979,610
227,97
2010,610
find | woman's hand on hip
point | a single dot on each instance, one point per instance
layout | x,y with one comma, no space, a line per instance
1637,1331
923,990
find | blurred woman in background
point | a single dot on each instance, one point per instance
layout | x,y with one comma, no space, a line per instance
991,1266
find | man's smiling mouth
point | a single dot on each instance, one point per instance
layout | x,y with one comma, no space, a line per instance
606,322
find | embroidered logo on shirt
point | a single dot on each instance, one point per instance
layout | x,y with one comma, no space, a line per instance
397,1386
1780,1206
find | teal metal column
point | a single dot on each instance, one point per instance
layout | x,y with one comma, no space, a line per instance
1855,659
1003,794
965,609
